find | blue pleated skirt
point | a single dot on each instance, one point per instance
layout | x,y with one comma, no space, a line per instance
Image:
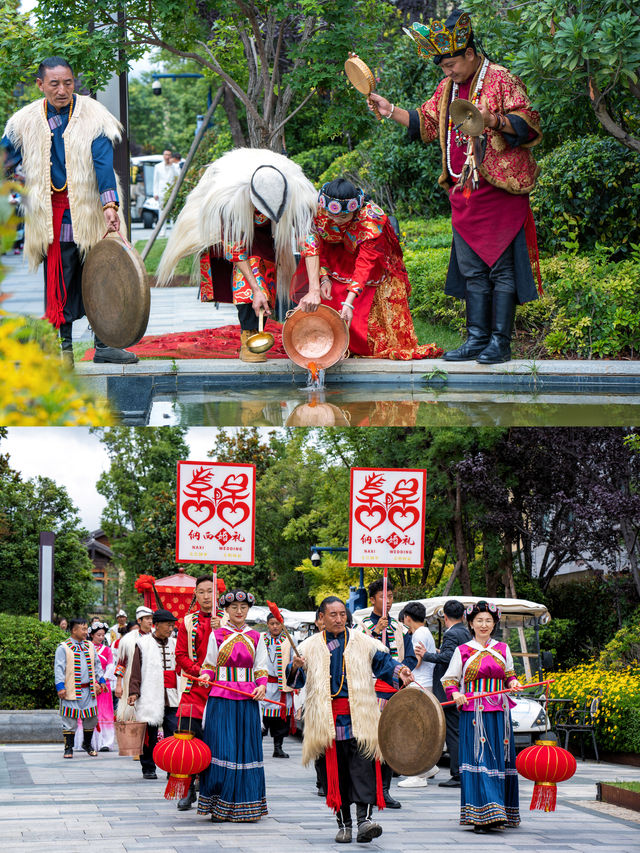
233,787
489,786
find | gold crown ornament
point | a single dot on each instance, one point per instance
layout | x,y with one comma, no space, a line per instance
437,40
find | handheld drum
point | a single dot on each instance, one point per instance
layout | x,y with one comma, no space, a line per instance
361,77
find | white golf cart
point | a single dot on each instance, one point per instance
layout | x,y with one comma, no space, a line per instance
144,207
529,716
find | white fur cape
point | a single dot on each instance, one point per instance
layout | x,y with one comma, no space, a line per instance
219,211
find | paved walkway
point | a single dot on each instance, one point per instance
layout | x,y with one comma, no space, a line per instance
103,804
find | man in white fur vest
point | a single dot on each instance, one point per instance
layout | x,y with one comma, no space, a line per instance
341,714
153,686
65,145
126,649
397,638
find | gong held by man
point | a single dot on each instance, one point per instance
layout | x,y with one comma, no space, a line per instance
487,176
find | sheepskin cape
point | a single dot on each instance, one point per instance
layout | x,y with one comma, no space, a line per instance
319,728
150,704
219,212
126,650
29,131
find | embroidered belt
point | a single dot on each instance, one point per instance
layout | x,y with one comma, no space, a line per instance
233,673
484,685
273,679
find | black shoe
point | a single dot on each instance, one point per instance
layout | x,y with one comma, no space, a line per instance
278,752
86,744
478,307
321,793
186,802
113,355
480,830
68,744
104,749
390,803
150,774
498,350
452,782
368,830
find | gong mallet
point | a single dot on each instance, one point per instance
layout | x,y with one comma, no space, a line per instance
274,609
470,696
233,690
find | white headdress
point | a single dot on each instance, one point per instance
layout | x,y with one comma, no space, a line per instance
219,210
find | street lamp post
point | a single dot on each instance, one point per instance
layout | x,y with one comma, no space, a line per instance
357,595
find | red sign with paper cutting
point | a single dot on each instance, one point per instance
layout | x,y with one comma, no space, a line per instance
215,513
386,524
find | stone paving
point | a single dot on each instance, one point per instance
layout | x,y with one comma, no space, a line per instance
103,804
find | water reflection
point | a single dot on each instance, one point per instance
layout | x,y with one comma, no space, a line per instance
375,405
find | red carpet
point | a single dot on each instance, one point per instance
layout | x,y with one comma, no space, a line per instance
207,343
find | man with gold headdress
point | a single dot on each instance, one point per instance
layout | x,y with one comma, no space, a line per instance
494,244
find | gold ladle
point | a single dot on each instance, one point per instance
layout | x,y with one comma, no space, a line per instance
261,341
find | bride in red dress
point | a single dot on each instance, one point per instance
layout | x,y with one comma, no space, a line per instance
352,261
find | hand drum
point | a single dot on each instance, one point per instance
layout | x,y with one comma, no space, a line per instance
361,77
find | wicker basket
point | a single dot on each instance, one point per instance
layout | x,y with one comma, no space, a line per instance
130,737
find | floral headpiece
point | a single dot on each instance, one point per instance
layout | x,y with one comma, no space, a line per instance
436,39
236,595
336,206
482,607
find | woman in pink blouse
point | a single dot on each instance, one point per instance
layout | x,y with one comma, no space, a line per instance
488,776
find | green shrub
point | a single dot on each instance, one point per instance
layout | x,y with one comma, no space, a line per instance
624,649
427,272
595,306
420,234
588,192
27,649
315,161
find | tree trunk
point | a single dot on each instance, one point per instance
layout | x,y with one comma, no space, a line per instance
603,115
455,499
506,565
237,134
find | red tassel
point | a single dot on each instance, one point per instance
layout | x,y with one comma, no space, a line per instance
56,300
379,791
334,800
177,787
544,797
532,246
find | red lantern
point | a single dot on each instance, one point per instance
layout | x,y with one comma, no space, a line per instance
181,756
545,763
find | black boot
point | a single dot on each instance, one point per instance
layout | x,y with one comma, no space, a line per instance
112,355
68,744
478,306
504,311
186,802
345,827
278,752
367,828
86,743
387,775
66,345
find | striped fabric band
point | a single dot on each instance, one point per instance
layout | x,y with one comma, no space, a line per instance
75,714
231,765
233,673
54,121
77,669
66,233
107,196
484,685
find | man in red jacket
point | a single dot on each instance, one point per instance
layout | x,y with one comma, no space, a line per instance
191,647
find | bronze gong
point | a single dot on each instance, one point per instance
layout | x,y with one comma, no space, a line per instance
319,338
115,291
411,731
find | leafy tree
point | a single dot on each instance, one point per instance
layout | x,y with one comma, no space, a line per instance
571,55
273,56
140,490
28,507
27,648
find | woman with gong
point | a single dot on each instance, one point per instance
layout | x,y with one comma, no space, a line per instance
488,776
352,261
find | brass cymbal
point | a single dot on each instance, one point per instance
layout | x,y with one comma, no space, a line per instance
466,117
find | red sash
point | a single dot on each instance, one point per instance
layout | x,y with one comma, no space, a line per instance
334,800
383,687
170,678
56,288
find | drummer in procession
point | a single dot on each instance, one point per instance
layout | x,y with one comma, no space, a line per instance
64,144
397,638
341,715
277,721
494,238
191,649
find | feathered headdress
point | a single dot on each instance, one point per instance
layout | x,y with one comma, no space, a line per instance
219,211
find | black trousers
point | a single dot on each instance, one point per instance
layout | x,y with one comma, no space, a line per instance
169,724
356,774
478,275
276,726
452,722
72,277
